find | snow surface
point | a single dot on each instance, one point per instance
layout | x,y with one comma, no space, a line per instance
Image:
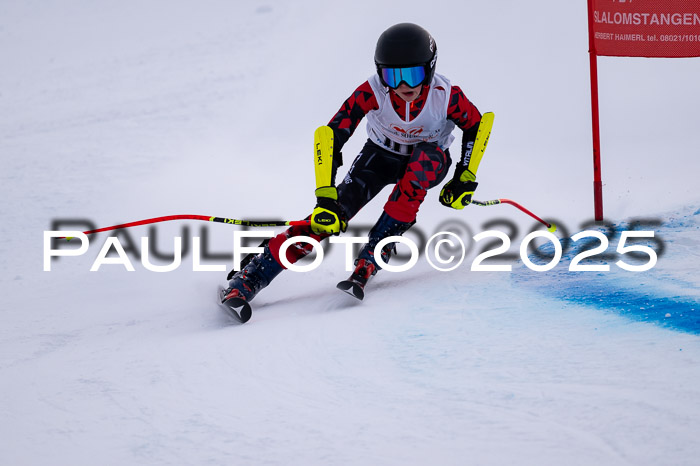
118,111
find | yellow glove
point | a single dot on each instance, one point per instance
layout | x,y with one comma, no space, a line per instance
457,194
328,217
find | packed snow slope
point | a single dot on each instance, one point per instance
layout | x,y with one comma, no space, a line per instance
115,112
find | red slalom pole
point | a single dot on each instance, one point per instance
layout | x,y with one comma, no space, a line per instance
550,226
595,120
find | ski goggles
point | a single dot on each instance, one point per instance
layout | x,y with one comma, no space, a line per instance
393,77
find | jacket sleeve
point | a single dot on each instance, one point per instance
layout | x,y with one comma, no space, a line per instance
346,120
466,117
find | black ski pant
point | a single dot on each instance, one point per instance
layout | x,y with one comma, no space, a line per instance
372,170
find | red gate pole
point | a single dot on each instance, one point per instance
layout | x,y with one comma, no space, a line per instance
597,179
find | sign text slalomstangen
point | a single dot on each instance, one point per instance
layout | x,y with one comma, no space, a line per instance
647,28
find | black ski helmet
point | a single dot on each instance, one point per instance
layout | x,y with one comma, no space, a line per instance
405,45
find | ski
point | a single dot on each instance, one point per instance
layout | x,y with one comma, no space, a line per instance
355,285
353,288
238,308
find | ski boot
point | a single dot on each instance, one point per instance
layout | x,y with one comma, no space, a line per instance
365,264
246,283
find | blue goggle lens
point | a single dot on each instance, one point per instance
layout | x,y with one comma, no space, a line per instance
393,77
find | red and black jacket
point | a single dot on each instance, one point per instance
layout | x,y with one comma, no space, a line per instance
460,110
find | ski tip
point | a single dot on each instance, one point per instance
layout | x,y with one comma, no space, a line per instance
239,308
351,288
245,313
236,307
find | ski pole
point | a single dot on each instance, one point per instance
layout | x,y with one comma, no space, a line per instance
230,221
550,226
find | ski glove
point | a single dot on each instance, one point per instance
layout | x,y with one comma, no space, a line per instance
458,194
328,217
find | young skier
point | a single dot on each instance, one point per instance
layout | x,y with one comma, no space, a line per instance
411,112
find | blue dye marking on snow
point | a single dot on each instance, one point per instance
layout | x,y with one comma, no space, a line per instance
637,302
680,313
657,300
